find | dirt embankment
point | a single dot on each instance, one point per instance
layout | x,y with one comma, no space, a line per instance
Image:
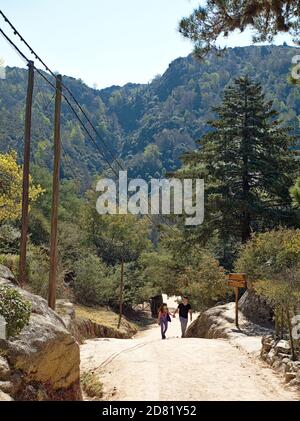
94,322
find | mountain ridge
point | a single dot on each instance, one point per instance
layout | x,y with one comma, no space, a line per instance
148,126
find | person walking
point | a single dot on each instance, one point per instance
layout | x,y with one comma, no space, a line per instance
163,319
185,310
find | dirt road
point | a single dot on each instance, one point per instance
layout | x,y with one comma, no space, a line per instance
148,368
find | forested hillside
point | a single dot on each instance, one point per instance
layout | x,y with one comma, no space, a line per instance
148,126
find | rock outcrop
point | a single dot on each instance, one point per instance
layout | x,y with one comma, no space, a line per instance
213,323
42,361
219,322
255,308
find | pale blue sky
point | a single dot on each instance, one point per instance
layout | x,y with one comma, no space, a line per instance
103,42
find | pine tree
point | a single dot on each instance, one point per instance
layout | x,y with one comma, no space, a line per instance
248,164
266,19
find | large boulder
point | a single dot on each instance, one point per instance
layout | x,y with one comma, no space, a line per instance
256,309
5,396
219,322
42,361
213,323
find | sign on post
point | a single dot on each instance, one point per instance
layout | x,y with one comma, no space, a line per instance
237,280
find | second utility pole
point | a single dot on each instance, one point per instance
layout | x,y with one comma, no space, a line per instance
55,198
25,187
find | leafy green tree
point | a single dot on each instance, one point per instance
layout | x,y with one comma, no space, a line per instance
295,193
115,237
181,268
247,163
92,284
11,188
220,18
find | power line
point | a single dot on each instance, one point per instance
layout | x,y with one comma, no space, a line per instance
37,57
54,87
16,32
14,45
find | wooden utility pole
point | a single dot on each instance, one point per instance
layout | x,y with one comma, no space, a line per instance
121,293
55,198
236,291
26,164
237,280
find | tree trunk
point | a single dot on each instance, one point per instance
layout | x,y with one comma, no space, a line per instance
121,293
156,302
246,218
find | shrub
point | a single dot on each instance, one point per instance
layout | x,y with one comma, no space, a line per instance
93,284
14,309
9,239
272,262
38,273
11,261
39,227
204,283
38,270
199,276
91,385
268,255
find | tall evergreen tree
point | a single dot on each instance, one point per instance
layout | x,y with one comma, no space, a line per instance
248,165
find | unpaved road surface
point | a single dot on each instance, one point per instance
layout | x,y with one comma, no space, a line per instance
147,368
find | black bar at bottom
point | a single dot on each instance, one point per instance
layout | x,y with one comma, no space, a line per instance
135,410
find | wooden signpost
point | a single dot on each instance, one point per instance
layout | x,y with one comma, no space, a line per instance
237,280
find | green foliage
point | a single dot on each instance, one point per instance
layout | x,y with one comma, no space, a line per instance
158,270
93,283
180,268
115,237
38,270
39,227
272,262
15,310
270,255
11,261
295,193
9,239
203,282
38,267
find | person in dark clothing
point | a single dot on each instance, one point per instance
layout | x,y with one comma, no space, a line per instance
184,310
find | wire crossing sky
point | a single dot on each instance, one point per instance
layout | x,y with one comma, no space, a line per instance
104,42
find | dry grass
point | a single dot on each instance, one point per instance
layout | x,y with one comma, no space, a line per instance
102,316
91,385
